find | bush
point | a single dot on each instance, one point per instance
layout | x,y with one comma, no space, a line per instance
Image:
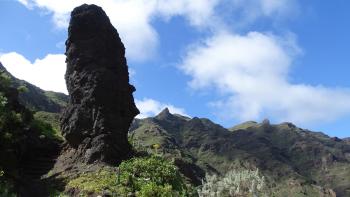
138,171
5,79
235,184
3,101
142,177
22,89
11,128
153,190
6,188
104,180
45,129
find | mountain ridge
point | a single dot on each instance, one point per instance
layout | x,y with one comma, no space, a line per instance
284,153
37,99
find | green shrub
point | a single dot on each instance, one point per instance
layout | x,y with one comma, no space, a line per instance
45,129
5,79
235,184
51,118
6,188
11,127
142,177
153,190
104,180
3,101
137,172
22,89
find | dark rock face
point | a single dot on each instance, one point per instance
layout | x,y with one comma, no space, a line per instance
101,109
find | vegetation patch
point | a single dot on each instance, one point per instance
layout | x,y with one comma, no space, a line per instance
235,183
6,187
150,176
102,181
49,124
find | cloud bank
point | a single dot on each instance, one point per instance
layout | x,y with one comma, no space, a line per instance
133,18
46,73
251,72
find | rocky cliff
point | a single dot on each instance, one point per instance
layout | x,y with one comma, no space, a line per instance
101,108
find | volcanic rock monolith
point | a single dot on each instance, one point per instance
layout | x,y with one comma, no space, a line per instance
101,109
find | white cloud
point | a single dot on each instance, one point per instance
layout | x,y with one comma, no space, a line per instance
133,18
149,107
47,73
251,73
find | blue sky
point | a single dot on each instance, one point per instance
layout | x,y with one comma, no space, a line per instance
227,60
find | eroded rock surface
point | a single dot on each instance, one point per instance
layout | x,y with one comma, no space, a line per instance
101,109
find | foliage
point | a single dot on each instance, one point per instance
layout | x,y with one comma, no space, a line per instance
235,183
51,118
16,126
5,79
58,98
135,173
3,101
45,129
104,180
153,190
6,188
14,118
49,124
143,177
11,125
22,89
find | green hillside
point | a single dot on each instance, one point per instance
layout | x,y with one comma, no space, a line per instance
295,161
35,98
23,140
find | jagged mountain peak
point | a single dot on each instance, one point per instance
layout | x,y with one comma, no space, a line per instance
164,114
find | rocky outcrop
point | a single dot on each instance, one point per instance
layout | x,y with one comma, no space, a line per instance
101,109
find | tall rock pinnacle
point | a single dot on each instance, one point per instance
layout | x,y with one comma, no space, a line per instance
101,109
